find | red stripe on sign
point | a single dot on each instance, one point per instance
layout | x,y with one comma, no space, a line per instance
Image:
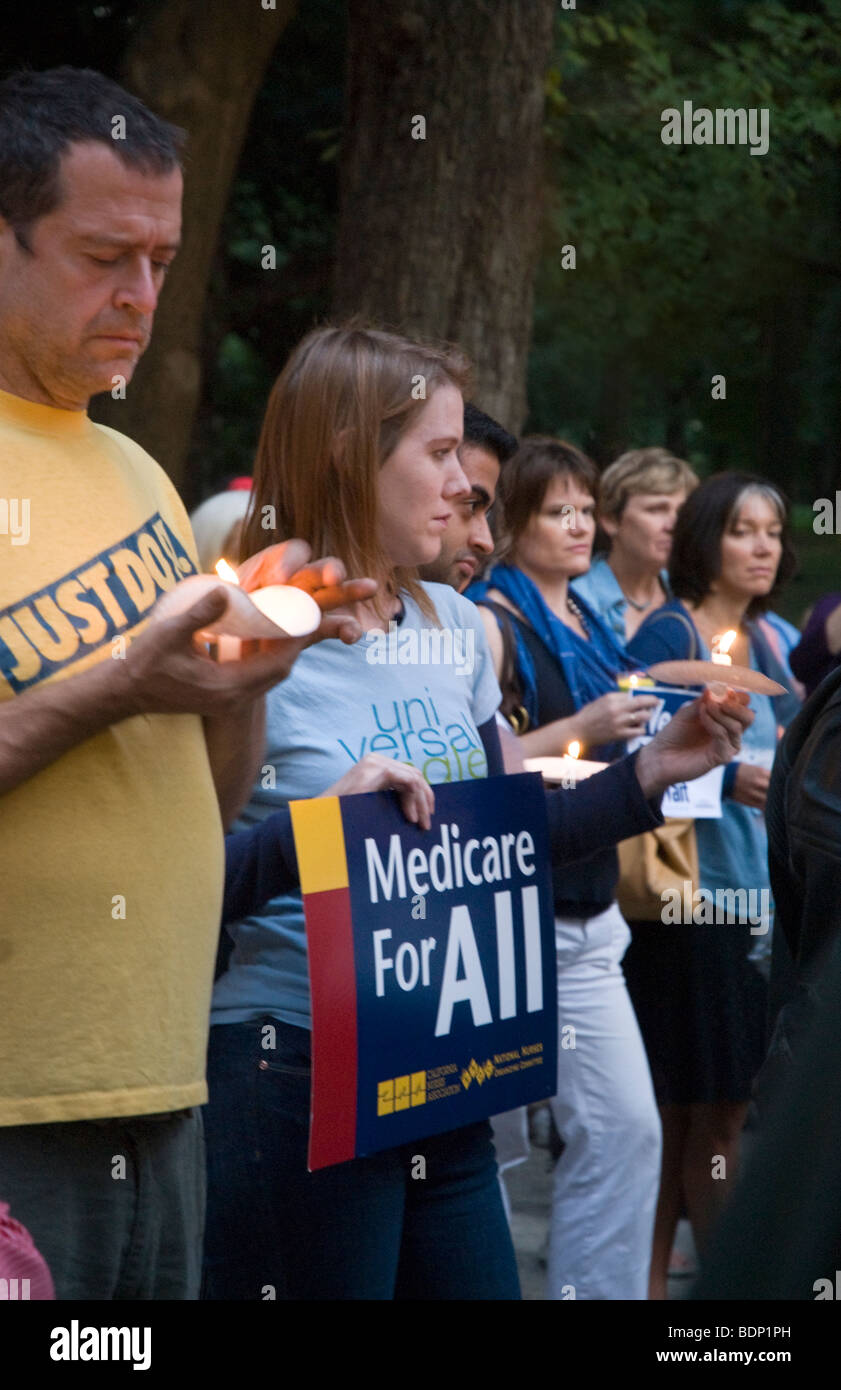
333,993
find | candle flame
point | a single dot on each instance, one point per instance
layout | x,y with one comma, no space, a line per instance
721,646
228,573
574,749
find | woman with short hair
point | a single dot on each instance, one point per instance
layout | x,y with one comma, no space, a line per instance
641,495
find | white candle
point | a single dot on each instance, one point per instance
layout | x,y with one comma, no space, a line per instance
720,649
279,610
636,681
291,610
565,769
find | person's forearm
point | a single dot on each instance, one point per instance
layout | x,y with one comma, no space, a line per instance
600,812
235,747
550,739
260,864
41,725
651,774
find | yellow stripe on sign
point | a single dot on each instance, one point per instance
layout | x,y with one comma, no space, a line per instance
319,844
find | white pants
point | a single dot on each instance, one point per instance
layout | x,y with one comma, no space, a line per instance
607,1178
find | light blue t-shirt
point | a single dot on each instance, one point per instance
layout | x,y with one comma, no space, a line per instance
417,693
601,589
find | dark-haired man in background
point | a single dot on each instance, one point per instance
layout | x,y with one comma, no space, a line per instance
111,853
468,542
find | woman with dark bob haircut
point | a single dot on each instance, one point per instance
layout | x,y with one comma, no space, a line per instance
696,984
706,514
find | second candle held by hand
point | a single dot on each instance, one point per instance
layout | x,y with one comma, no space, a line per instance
269,614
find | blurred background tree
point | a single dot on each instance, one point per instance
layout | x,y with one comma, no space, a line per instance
199,66
441,178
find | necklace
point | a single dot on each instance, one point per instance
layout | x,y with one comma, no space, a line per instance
576,612
640,607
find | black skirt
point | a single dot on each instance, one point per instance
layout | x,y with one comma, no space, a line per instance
701,1006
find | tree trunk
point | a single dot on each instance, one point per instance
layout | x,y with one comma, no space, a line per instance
438,236
199,65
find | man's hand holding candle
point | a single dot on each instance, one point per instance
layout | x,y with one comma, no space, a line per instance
324,580
701,736
165,671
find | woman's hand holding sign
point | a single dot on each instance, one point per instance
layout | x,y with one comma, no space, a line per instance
377,773
751,786
616,715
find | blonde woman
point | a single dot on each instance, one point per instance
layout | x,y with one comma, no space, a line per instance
640,497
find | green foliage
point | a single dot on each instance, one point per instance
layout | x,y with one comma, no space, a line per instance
691,260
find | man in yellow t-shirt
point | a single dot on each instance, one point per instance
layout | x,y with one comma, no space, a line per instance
111,851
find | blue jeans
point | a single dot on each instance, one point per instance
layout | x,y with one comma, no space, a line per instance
372,1228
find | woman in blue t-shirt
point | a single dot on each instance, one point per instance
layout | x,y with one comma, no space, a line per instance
696,985
358,457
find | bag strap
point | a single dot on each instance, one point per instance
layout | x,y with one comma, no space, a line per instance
684,621
511,707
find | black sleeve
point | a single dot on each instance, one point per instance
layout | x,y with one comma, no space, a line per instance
780,1236
599,812
260,863
805,839
489,734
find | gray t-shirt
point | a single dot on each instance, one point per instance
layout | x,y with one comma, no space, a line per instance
417,693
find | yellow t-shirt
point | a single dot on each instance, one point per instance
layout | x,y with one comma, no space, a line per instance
111,859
